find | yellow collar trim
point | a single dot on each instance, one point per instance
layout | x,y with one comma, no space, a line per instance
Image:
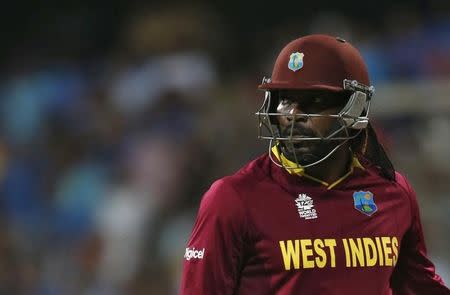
295,169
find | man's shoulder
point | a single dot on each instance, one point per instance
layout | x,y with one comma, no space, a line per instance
403,182
372,175
250,174
400,185
227,195
245,179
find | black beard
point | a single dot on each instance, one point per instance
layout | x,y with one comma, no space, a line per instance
305,152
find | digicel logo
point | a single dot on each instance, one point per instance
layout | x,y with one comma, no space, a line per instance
192,253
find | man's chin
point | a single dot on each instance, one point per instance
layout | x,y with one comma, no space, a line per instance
301,155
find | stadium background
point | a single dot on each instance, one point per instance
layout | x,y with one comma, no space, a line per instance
116,116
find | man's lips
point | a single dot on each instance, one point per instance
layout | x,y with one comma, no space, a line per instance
298,134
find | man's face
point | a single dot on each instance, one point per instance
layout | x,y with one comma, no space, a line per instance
293,102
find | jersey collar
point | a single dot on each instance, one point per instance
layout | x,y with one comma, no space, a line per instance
294,169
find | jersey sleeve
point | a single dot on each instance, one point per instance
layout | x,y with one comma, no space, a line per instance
215,249
415,273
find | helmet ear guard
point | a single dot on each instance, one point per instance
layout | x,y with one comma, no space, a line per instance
352,113
266,117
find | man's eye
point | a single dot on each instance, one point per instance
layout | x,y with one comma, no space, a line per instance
286,101
285,105
317,100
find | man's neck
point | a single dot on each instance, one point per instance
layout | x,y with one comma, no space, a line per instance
333,168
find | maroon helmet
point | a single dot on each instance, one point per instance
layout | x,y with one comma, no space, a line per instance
318,62
324,64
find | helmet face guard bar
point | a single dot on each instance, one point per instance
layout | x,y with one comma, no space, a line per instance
265,123
354,115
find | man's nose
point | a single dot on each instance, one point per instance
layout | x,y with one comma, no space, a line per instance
292,114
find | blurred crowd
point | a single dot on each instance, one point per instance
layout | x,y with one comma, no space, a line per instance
103,161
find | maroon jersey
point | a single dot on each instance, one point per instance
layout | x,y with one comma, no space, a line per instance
265,231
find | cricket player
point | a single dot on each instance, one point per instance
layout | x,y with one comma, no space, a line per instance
324,211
